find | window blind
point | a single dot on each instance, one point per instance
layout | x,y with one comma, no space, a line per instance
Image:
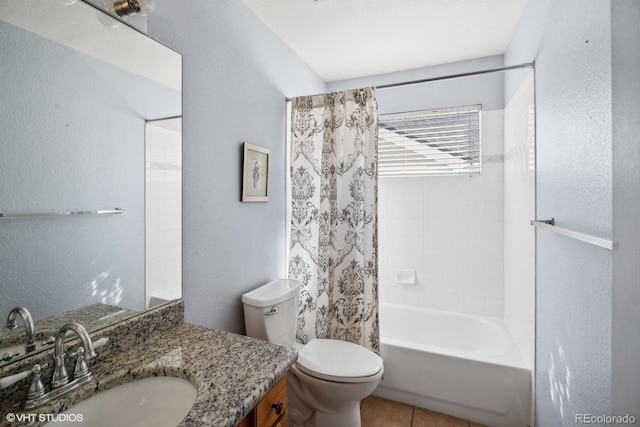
430,142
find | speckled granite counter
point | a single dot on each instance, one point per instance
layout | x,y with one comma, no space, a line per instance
92,317
231,372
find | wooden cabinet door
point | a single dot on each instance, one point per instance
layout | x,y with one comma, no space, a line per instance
271,411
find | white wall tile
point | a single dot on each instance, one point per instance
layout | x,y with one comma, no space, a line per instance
473,304
494,288
474,284
519,202
395,227
396,242
493,172
492,123
414,227
413,261
163,204
492,145
414,295
494,211
449,229
453,301
494,307
453,281
396,261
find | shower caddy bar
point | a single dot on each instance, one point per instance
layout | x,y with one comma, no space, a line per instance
549,225
37,214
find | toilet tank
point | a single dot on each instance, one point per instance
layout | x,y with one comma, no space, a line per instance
270,311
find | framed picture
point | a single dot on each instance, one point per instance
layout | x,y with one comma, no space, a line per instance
255,173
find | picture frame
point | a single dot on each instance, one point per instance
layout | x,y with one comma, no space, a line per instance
256,170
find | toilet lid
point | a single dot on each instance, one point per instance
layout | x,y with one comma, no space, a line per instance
338,360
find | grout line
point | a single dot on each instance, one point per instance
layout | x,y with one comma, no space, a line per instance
413,411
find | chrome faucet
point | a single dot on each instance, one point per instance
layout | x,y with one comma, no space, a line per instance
60,375
60,383
37,394
29,327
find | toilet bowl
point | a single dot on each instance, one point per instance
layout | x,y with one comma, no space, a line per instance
333,377
329,378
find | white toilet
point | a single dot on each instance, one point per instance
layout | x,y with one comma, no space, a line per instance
330,377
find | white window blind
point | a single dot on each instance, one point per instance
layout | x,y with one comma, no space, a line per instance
430,142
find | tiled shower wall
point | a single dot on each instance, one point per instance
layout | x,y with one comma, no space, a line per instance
163,218
519,198
450,231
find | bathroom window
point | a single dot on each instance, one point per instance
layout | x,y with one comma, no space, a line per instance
430,142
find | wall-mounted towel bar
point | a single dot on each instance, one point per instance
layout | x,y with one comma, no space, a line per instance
35,214
549,225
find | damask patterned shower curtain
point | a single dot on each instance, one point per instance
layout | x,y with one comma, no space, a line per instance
334,221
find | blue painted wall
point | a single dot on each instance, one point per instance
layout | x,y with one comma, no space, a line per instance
571,44
237,73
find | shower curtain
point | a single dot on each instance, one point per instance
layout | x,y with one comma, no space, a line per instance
334,219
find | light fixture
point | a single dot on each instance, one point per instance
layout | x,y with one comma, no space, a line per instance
104,18
124,8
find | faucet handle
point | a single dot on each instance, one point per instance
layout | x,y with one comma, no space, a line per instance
101,342
48,341
36,389
12,379
8,356
82,369
96,345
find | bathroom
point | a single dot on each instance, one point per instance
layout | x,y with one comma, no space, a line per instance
236,75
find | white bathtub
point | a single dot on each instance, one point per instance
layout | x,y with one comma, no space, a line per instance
462,365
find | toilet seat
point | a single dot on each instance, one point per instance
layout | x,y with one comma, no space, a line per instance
339,361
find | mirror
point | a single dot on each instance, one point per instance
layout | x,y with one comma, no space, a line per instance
90,123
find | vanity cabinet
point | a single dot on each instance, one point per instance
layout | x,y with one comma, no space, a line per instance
271,411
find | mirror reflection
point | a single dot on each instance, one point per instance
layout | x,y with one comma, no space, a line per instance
91,122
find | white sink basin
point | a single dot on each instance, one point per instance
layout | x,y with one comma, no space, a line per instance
156,401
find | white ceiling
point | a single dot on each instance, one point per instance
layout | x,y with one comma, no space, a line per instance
342,39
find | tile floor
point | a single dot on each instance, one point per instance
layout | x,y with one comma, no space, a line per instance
378,412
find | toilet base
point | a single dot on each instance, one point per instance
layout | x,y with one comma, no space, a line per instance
322,419
347,417
322,403
294,418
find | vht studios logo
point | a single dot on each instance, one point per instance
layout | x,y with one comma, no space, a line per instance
29,418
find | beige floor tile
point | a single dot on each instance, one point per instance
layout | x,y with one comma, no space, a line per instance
377,412
426,418
472,424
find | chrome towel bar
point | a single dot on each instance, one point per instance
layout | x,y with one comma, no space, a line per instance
549,225
36,214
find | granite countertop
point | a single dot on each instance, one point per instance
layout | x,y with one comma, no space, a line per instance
92,317
230,372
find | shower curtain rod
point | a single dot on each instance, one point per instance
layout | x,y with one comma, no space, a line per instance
455,76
